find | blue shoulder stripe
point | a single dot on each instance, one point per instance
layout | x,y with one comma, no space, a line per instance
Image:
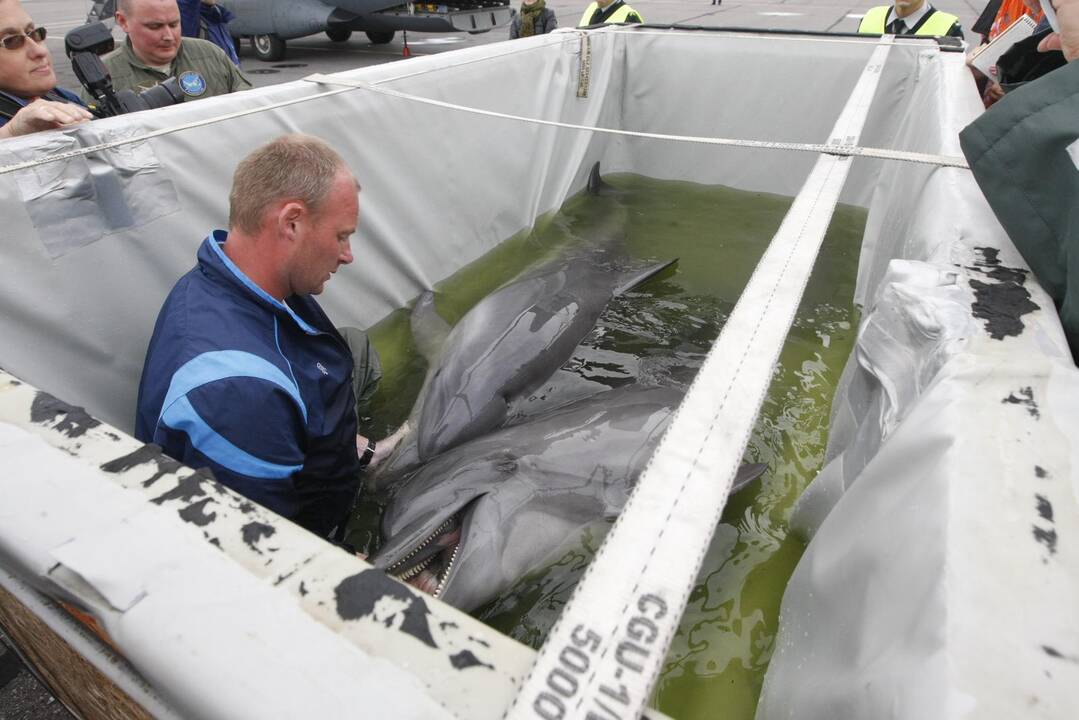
181,415
220,364
215,245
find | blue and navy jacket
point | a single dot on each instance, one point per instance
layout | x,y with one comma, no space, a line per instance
11,104
257,390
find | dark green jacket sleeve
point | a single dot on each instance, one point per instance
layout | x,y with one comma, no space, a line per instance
1024,153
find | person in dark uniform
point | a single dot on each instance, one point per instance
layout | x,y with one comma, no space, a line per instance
29,99
207,20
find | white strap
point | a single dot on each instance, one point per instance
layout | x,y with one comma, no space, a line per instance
603,655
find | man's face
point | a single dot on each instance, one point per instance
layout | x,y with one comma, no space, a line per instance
324,243
906,7
26,72
154,29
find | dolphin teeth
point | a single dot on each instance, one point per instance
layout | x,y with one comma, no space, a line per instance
416,570
446,571
401,568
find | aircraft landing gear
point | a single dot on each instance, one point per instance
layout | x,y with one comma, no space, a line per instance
379,37
338,34
268,48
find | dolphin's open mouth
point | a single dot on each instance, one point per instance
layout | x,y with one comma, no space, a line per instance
427,565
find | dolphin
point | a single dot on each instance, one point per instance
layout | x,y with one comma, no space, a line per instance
477,518
506,346
512,340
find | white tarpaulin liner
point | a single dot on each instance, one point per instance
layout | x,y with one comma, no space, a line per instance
943,583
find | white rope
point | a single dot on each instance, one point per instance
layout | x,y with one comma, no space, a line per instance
816,148
601,659
101,147
349,85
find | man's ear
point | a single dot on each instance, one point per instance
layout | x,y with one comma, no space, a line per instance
121,20
289,215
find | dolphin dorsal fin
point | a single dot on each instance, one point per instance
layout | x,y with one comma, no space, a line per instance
429,330
633,279
595,182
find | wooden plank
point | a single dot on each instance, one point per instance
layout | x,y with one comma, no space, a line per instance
81,687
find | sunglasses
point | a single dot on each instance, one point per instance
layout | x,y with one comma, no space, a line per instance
14,42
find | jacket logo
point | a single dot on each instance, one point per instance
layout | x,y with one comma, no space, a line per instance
322,368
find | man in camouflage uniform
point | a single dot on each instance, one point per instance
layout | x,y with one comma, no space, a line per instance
155,50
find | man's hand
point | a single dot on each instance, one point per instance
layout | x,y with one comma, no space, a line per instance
1067,40
44,115
383,447
993,92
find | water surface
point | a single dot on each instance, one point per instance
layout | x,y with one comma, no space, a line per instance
660,334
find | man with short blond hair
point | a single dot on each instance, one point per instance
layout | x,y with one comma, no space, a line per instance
155,50
245,374
29,99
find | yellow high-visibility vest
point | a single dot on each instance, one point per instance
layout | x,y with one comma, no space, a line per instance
618,16
938,23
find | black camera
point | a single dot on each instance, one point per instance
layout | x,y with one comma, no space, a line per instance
84,45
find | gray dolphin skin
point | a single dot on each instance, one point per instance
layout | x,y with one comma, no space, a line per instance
477,518
509,343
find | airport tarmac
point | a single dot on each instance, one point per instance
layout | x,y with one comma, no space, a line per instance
318,54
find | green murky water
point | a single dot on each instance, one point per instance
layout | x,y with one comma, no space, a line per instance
660,334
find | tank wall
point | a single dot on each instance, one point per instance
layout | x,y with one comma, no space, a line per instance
93,243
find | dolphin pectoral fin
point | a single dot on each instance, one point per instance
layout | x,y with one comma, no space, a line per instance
632,280
393,469
746,474
429,330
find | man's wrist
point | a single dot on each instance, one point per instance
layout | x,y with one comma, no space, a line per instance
368,453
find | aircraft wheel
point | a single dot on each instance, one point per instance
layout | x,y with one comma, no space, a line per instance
268,47
379,37
339,34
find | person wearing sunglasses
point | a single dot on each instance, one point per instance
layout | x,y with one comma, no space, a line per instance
29,99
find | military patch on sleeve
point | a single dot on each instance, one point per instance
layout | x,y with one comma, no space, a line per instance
192,84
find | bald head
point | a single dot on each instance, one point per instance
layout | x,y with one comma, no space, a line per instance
153,26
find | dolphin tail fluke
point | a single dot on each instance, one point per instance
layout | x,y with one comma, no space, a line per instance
635,278
746,474
429,330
